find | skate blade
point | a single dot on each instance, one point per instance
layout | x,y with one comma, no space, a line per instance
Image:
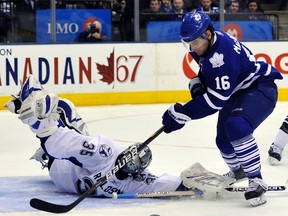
272,161
257,201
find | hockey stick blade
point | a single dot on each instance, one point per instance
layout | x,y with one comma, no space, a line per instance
243,189
58,208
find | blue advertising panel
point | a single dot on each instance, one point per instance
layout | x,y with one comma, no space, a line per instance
165,31
69,23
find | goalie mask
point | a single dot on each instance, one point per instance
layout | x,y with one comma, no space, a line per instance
137,165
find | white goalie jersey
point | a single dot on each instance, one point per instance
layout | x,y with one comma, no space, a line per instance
76,161
95,157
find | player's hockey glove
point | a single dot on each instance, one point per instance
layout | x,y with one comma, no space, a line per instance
174,118
137,165
196,88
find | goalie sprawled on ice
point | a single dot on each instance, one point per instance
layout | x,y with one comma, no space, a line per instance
76,160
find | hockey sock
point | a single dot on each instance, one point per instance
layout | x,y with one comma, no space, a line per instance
240,133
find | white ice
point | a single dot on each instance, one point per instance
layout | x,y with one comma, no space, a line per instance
22,179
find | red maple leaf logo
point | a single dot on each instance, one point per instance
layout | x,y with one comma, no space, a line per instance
107,71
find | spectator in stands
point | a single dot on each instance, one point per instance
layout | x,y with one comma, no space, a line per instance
128,21
190,5
166,6
91,33
232,9
178,10
5,26
152,12
103,4
154,7
233,6
208,6
118,7
118,18
254,9
25,21
254,6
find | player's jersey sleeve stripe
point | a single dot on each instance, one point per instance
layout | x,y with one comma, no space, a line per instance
209,102
268,70
216,94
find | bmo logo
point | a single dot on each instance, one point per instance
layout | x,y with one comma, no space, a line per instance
64,28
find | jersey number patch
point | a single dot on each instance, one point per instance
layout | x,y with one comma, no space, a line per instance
222,83
88,149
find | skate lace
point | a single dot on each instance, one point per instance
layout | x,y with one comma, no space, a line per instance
229,174
276,149
255,183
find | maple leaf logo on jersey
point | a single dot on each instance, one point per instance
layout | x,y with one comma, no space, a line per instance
107,71
217,60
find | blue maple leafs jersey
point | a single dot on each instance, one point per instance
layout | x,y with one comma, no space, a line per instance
229,66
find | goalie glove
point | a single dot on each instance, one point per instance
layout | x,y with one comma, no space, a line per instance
45,104
137,165
195,86
14,104
174,118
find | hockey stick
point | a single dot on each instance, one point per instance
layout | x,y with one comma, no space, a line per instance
243,189
155,194
185,193
57,208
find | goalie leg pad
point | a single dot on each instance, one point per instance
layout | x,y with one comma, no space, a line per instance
196,176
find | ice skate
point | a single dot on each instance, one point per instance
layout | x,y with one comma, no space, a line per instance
255,192
237,175
275,154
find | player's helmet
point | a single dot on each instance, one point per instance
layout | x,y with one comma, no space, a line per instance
194,25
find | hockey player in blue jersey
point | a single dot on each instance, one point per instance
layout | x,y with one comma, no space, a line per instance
231,82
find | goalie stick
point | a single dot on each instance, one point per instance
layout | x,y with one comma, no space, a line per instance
58,208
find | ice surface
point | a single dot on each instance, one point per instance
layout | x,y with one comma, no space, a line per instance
22,179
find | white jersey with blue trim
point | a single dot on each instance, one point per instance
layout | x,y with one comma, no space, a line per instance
90,158
229,66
